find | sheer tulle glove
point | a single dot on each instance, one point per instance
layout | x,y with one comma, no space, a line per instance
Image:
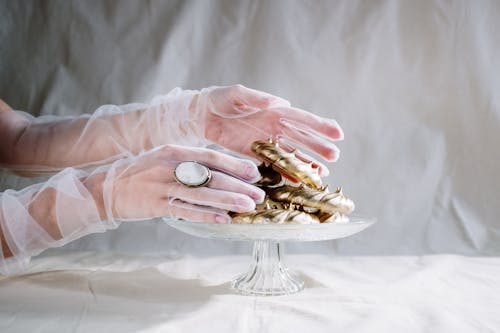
72,204
236,116
232,117
49,144
146,187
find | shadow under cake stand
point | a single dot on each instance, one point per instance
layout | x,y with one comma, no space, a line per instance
267,275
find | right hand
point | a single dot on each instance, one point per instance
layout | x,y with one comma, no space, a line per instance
236,116
145,187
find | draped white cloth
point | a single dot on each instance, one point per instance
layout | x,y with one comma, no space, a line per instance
416,88
92,292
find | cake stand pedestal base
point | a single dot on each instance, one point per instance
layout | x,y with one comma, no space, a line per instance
267,276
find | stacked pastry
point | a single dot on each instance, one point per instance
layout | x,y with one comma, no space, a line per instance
308,203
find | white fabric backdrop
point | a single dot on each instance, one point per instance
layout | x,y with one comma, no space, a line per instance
415,85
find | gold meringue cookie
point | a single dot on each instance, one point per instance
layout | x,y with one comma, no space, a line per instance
288,163
307,197
308,203
275,216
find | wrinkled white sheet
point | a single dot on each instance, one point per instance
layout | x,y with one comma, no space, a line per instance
414,84
90,292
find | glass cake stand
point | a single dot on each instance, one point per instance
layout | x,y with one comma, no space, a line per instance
267,275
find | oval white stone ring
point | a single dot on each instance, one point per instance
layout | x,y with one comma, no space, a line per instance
192,174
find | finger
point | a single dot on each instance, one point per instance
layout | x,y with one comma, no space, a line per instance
205,196
190,212
311,122
315,143
221,181
287,146
4,107
240,168
257,99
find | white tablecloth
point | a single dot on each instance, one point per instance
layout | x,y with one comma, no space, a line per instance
414,84
91,292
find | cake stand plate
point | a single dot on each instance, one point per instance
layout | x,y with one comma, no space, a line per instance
267,276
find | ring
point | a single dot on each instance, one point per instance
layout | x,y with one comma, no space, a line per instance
192,174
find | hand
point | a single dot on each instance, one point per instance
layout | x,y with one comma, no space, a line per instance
145,187
232,117
236,116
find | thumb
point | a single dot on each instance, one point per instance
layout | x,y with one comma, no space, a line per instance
4,106
250,99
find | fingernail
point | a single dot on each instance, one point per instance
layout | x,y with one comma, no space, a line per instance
334,123
244,203
324,171
222,219
279,102
258,196
251,172
336,154
341,134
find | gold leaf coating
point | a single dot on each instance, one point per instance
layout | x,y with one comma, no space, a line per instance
322,200
309,203
288,163
336,217
275,216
